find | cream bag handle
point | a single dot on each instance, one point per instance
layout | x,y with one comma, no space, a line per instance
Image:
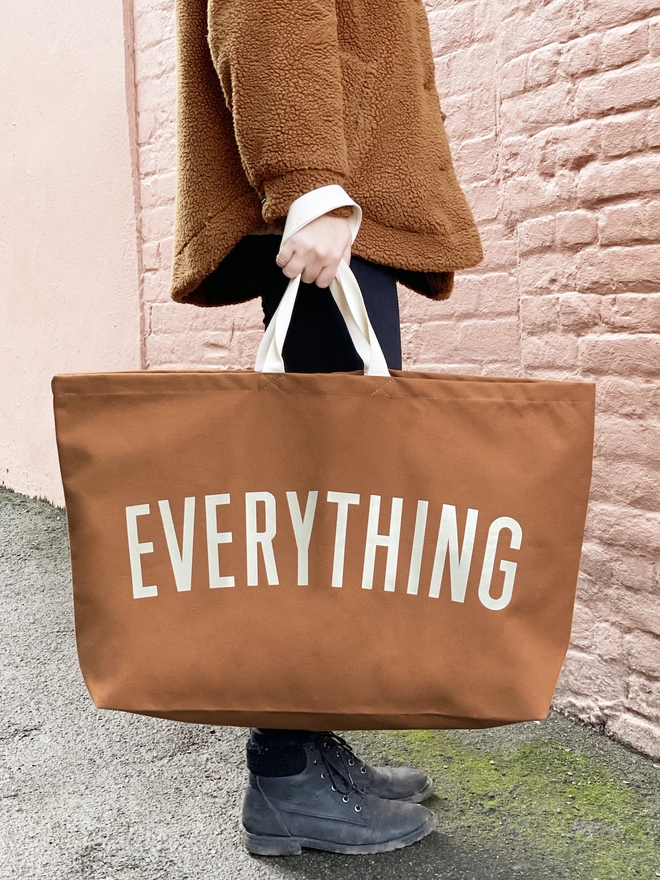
345,290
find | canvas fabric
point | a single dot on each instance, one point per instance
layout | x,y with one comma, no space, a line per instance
435,590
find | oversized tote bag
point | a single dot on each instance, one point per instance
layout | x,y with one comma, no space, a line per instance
381,550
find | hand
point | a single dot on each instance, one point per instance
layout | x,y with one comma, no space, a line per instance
316,250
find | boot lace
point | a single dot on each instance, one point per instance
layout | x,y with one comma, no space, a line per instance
344,769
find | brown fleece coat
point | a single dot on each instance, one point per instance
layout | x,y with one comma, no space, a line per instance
278,97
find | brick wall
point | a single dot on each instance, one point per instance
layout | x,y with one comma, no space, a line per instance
553,112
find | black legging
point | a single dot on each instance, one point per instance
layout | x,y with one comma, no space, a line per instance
317,341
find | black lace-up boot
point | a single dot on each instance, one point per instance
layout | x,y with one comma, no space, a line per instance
325,805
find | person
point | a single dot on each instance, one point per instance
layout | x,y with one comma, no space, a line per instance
276,101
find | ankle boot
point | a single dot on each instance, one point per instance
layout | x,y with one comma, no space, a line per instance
325,806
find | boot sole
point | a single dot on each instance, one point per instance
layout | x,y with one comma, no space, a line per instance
267,845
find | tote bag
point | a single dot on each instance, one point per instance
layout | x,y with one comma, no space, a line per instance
387,549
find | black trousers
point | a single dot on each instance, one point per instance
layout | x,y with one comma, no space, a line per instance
318,341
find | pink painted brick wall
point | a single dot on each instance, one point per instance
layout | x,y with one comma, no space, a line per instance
553,112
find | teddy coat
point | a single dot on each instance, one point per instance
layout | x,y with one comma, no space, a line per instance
277,98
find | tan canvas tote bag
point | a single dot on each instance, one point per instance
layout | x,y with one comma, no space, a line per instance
380,550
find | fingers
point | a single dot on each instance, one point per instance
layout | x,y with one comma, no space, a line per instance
317,269
316,251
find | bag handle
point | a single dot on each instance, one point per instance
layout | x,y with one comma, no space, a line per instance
345,290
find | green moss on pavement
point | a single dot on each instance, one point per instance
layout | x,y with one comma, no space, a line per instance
535,797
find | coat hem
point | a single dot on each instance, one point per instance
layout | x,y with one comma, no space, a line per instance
406,250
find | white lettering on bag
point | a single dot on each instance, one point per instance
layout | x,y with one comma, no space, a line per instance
213,540
418,547
180,558
508,567
449,556
391,541
136,549
459,565
254,538
302,530
342,500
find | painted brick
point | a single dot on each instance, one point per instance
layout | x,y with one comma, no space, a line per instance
638,398
579,313
536,235
542,67
155,287
183,351
637,732
499,248
470,116
539,109
491,295
462,66
629,223
588,675
514,77
630,483
624,134
620,567
644,696
618,90
630,177
643,653
175,318
151,255
653,128
533,195
452,28
608,641
476,160
547,272
599,15
551,351
624,526
576,228
152,27
559,21
635,612
581,56
157,190
539,315
584,628
484,201
621,354
654,36
155,61
157,221
625,45
632,312
478,337
634,269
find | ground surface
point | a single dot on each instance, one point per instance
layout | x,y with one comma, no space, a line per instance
106,796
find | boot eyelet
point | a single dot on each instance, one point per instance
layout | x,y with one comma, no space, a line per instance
350,762
358,808
363,769
345,799
333,788
315,763
323,775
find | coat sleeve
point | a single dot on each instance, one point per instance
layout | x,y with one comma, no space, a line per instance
278,64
